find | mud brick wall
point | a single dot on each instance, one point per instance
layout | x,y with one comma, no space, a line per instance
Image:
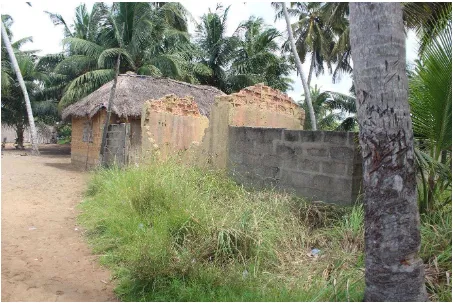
321,165
254,106
86,154
171,124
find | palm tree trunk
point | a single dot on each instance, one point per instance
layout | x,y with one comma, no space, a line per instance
28,106
109,110
19,136
299,68
393,268
310,74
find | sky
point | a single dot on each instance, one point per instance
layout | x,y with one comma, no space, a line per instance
32,21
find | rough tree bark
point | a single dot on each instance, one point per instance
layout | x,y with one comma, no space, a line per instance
299,68
20,136
109,110
310,74
28,106
393,269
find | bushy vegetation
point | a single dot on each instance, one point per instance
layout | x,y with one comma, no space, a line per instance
176,233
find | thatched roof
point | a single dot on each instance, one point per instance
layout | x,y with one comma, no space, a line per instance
133,90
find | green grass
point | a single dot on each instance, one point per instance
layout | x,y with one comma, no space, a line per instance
175,233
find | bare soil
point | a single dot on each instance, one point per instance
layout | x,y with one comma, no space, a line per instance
44,256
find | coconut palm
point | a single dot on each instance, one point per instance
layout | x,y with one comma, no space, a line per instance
15,67
333,110
217,48
256,59
154,38
426,18
313,37
299,67
431,106
14,111
393,268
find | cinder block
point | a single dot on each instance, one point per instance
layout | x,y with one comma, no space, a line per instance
338,138
318,152
283,150
322,182
271,160
311,136
342,153
292,135
295,179
334,168
308,165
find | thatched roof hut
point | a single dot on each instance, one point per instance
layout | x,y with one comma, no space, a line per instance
133,90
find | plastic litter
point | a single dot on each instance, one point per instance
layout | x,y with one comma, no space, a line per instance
315,251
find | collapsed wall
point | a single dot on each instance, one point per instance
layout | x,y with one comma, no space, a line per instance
171,124
254,106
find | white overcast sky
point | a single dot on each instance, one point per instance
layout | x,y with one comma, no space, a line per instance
32,21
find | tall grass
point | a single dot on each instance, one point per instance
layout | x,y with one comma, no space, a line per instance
176,233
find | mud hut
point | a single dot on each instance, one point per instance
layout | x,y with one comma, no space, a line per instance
88,115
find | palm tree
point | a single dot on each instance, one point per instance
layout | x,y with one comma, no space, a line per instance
313,37
14,111
299,67
428,19
17,71
431,106
217,49
155,41
256,60
393,268
333,110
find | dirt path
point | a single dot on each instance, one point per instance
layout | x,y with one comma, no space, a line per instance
44,256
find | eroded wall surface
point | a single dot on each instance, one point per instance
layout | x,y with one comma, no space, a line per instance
318,165
255,106
171,124
86,153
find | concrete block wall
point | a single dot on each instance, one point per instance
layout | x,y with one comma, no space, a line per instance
321,165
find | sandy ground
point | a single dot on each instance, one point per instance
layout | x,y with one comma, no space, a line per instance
44,256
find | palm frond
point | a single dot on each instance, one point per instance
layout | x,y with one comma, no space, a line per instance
114,52
83,47
431,93
84,85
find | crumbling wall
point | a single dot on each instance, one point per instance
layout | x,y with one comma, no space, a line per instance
85,152
254,106
171,124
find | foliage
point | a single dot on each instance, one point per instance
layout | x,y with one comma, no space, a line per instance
64,132
256,60
175,233
178,233
313,36
151,39
334,111
430,97
14,111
